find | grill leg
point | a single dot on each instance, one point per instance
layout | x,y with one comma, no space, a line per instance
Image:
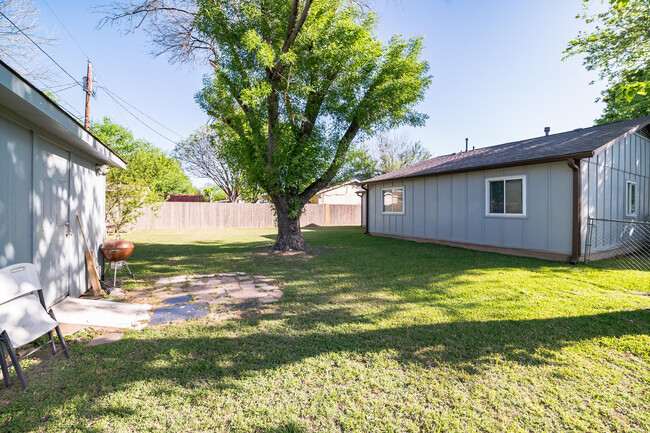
115,276
129,269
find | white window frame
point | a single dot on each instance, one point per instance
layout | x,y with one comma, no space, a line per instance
628,203
523,196
394,188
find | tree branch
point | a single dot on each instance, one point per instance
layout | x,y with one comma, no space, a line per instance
337,162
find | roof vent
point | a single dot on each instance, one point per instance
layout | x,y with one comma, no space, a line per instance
547,129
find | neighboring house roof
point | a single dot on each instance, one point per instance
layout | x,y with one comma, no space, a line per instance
184,198
25,99
579,143
352,182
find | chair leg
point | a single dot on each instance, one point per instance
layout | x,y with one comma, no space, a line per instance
60,335
3,365
14,358
63,345
51,337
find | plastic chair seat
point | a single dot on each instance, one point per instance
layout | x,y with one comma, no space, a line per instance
25,320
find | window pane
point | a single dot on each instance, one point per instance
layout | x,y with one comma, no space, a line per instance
496,196
514,196
631,197
388,201
398,200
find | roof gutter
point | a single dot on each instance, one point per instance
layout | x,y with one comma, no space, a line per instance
574,164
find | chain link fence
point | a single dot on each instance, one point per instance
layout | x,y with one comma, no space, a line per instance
629,241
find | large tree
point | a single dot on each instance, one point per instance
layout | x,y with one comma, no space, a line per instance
618,48
389,152
201,156
295,83
620,103
359,164
397,150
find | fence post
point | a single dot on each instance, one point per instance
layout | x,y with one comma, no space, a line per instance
327,214
590,228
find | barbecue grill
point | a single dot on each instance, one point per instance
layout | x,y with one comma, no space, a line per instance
117,252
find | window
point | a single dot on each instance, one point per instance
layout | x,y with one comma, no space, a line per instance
506,196
630,198
393,200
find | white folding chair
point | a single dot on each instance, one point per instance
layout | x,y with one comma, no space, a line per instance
24,317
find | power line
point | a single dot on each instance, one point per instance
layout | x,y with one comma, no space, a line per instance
111,94
66,30
65,105
63,85
41,49
138,119
66,88
140,111
74,40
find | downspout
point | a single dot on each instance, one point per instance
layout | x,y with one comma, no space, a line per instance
574,164
367,190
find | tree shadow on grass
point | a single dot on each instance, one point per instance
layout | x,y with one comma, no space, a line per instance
197,354
320,315
365,270
343,254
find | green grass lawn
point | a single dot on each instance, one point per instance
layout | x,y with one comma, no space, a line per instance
372,334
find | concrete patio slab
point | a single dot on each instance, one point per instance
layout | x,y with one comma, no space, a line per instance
178,300
101,313
171,280
247,294
173,313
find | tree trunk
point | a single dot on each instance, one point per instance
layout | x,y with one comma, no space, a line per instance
289,234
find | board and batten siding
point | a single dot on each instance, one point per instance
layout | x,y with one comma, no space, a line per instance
21,204
87,199
604,179
16,229
451,207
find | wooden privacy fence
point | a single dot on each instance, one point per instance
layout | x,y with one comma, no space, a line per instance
176,215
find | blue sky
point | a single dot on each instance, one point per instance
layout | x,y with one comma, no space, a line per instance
497,70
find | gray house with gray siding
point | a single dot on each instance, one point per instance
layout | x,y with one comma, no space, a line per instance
531,197
49,173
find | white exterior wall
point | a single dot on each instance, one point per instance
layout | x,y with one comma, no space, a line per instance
452,208
344,194
20,201
604,178
87,199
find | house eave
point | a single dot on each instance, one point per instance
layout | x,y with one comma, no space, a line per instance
487,167
617,139
23,98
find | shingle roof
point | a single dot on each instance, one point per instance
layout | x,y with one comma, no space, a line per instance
579,143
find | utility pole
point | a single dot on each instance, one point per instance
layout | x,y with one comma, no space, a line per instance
89,91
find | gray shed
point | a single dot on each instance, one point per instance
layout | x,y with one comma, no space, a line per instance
49,172
531,197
